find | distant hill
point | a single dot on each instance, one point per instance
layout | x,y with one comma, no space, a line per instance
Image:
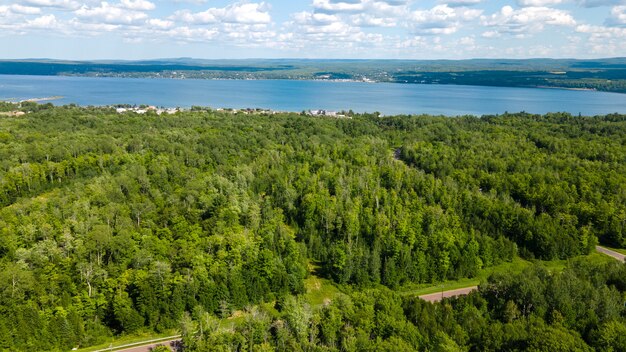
598,74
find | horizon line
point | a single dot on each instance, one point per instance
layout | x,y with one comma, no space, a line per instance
317,59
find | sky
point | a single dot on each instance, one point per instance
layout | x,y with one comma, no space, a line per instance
363,29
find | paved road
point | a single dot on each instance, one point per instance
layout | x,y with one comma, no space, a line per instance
614,254
438,296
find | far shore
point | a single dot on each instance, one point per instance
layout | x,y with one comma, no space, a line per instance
37,100
571,88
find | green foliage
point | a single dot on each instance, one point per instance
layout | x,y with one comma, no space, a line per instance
114,224
583,316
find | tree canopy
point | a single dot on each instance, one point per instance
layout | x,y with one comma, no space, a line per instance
115,223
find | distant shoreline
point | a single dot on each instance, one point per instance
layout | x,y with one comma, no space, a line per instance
571,88
38,100
604,75
298,95
337,80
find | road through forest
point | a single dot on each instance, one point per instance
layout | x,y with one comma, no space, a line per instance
432,297
614,254
438,296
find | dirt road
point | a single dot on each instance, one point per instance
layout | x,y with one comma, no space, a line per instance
614,254
438,296
137,347
432,297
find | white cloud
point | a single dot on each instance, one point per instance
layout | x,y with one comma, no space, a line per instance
239,24
365,13
459,3
414,42
526,20
386,8
316,23
194,2
376,13
110,14
91,29
618,16
538,3
490,34
605,41
367,20
159,23
441,19
15,13
192,34
467,41
137,5
60,4
315,18
334,28
246,13
248,34
601,32
329,34
599,3
25,10
43,22
339,5
205,17
439,46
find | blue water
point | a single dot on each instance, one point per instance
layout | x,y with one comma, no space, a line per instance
285,95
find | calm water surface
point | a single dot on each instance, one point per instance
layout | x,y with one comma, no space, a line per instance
388,98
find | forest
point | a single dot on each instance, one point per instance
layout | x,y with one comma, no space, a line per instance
113,224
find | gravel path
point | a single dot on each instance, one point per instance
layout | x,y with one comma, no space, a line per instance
144,348
438,296
614,254
432,297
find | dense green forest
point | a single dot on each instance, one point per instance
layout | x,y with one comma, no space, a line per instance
116,223
581,309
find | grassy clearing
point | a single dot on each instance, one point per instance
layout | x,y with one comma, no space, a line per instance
319,291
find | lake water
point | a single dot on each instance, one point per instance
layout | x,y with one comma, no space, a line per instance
285,95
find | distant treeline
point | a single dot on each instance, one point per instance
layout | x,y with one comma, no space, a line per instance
603,74
53,69
604,80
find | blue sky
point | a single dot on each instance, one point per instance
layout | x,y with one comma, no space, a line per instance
433,29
